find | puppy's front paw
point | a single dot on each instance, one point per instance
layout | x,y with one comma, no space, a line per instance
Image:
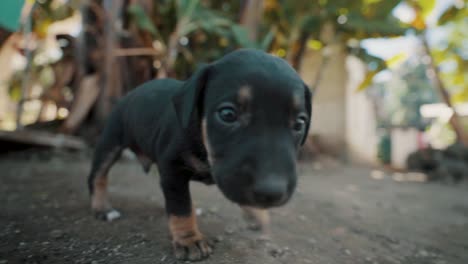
187,240
194,250
257,219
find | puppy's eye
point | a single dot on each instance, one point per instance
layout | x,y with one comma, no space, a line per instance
227,114
300,124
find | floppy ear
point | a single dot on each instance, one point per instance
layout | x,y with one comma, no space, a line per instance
308,105
187,100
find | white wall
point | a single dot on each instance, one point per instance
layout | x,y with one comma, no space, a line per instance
328,108
404,142
361,125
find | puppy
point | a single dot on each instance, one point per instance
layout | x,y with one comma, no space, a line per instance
237,123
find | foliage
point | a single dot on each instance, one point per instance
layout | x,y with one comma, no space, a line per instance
45,12
404,94
190,28
301,23
286,28
193,32
452,54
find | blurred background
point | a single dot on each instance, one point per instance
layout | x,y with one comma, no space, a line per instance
383,174
389,78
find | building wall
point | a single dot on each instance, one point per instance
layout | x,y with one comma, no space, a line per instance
343,119
361,126
329,99
404,142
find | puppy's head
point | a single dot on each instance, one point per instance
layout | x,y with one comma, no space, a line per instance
254,113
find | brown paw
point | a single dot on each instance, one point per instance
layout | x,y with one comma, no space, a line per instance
195,251
188,242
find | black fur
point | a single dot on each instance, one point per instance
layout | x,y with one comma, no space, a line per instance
254,161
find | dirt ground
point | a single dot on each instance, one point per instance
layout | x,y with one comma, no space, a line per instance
339,214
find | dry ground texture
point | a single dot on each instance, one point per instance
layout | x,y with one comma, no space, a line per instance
339,214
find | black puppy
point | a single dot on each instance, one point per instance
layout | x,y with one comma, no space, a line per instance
237,122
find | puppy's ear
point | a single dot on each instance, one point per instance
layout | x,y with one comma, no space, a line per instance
187,100
308,105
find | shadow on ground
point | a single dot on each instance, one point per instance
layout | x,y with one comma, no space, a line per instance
339,214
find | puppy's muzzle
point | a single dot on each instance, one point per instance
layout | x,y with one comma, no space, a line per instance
268,193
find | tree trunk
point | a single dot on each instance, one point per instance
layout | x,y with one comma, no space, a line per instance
250,17
27,72
297,49
455,119
111,84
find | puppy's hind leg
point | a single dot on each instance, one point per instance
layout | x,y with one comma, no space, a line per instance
107,153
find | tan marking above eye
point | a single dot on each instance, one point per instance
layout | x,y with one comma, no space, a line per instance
244,94
297,101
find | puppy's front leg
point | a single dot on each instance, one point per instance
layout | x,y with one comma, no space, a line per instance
258,219
187,241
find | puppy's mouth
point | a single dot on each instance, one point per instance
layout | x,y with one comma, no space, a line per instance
244,189
246,197
261,201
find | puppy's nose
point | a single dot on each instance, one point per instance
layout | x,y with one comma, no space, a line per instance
269,193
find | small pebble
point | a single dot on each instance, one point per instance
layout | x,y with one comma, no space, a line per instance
56,233
112,215
276,252
199,211
229,230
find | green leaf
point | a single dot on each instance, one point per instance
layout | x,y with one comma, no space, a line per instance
426,6
452,14
396,60
381,65
369,2
268,39
367,80
241,36
314,44
375,62
14,88
187,28
186,8
375,65
205,19
142,20
388,27
461,96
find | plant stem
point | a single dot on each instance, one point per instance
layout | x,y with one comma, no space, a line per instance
455,119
